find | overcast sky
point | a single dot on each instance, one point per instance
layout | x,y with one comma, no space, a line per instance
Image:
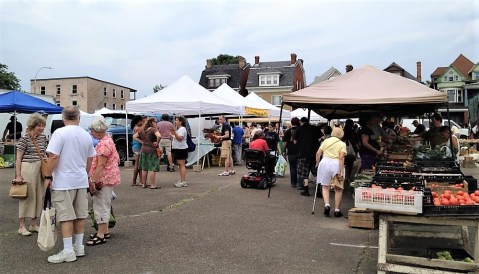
140,44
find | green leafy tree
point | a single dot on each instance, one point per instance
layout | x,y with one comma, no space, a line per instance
224,59
8,80
158,88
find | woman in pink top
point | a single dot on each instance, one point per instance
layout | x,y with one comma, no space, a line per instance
105,174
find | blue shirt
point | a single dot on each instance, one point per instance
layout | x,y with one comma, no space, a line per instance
238,135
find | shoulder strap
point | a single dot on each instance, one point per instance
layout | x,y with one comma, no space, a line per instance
38,150
332,144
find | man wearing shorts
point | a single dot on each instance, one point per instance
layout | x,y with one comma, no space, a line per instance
225,138
70,154
165,127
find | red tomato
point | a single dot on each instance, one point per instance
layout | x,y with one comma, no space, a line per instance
444,202
434,195
476,192
446,196
460,193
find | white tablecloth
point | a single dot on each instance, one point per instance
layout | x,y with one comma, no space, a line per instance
204,148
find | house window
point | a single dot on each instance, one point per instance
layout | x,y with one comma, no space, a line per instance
451,79
455,95
114,93
74,89
269,80
122,94
276,100
475,75
74,103
113,106
445,78
104,91
58,89
216,82
42,90
456,78
121,107
104,105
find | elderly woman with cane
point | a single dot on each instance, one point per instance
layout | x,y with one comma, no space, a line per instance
331,169
104,174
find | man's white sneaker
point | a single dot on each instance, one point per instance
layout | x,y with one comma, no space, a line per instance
79,250
178,184
63,256
184,184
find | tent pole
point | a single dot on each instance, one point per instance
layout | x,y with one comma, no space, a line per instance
126,133
14,139
450,135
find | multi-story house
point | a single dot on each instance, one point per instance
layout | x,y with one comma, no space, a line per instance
457,80
270,80
397,69
329,74
88,93
234,75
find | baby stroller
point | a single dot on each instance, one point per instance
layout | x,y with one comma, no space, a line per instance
262,166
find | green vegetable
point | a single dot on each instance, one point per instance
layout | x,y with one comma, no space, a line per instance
468,260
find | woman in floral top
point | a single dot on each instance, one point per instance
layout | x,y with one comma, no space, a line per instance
105,174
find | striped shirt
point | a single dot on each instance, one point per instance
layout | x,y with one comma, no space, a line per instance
30,153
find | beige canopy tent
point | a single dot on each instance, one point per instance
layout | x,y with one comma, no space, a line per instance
364,90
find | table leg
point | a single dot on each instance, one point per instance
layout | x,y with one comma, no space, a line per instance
383,241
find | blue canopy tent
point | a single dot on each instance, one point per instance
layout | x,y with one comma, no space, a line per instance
20,102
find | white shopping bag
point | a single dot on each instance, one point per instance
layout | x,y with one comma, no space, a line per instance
280,168
46,232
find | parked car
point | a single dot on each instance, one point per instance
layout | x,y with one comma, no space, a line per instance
461,133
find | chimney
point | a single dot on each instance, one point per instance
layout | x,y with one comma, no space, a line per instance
208,63
349,68
241,62
256,60
418,66
293,58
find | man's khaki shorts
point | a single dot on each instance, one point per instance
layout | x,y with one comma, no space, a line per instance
165,145
70,204
225,149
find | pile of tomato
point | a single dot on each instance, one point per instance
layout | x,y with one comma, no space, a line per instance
447,197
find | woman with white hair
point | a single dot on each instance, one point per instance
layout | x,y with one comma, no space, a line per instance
104,174
333,151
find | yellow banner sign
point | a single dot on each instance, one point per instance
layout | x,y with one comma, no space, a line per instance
255,111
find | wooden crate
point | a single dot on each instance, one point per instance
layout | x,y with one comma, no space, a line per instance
363,218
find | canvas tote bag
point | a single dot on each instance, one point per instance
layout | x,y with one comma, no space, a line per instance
46,232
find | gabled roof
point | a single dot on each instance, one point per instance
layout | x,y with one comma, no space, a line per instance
438,72
230,69
325,76
404,73
463,66
285,68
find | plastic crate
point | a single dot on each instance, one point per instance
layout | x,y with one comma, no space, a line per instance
443,186
385,200
451,210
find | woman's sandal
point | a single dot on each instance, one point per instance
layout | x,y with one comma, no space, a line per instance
106,236
96,241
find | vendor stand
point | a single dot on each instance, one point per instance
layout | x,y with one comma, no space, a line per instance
401,190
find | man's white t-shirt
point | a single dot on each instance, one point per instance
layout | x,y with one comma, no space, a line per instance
74,146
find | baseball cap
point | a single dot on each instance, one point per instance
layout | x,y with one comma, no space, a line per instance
42,112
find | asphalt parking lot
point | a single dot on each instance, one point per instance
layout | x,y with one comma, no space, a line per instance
211,226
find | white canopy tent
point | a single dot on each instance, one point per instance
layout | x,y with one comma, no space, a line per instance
314,117
247,107
274,111
184,97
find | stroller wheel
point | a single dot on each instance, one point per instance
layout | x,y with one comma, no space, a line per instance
263,184
243,183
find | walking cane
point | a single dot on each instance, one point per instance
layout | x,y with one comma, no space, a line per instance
315,195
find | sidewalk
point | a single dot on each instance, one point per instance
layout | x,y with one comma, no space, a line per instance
211,226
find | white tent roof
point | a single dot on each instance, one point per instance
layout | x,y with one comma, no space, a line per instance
314,117
183,97
246,106
273,110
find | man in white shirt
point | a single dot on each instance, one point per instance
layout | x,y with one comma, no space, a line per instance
70,154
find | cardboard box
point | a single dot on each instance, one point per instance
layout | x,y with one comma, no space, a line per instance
363,218
468,163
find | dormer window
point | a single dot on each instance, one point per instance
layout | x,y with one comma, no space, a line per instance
215,81
269,80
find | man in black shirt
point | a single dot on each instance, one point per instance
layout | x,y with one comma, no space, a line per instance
291,150
14,131
307,138
225,138
420,128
